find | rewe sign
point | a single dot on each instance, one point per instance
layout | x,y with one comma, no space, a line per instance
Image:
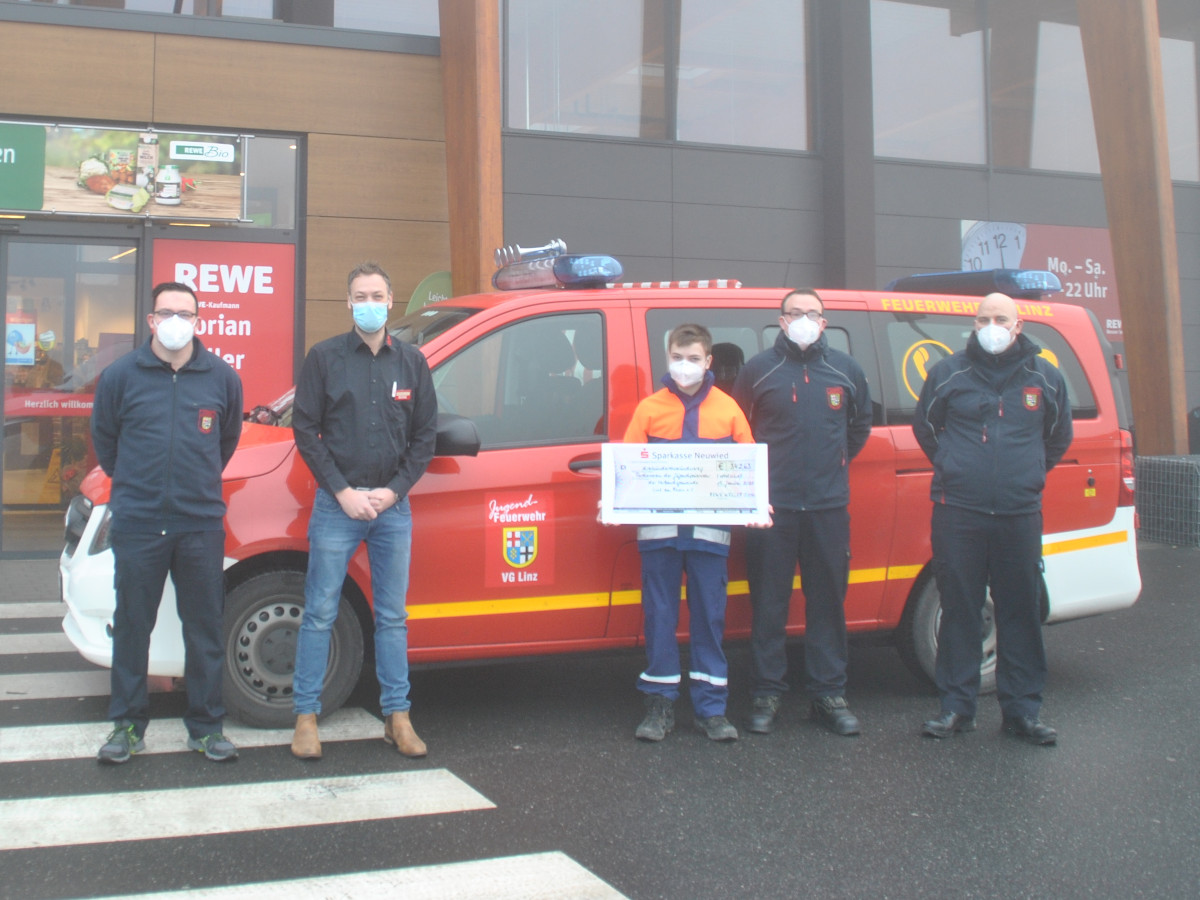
247,306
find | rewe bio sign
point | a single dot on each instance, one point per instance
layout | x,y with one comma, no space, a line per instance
203,150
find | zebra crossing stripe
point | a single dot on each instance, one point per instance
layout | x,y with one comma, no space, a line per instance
534,876
33,610
81,740
224,809
52,685
40,642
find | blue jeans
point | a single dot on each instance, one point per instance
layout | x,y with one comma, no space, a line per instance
333,537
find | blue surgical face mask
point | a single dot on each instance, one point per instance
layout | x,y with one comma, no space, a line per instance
370,316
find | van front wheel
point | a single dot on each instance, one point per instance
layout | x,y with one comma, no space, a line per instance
262,622
917,637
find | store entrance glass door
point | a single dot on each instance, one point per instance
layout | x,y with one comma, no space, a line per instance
69,312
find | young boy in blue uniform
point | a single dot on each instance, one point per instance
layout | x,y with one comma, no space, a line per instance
688,409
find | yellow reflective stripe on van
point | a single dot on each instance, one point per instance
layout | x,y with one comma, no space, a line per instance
560,602
506,606
1085,543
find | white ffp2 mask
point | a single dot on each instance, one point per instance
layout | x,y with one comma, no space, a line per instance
995,339
804,331
685,373
175,333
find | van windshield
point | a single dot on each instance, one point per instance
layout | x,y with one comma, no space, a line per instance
424,325
415,328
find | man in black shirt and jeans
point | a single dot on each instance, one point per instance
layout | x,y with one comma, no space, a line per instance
365,421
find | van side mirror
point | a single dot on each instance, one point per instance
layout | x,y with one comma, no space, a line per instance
456,436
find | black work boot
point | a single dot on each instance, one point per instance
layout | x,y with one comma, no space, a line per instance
659,720
833,713
762,714
716,728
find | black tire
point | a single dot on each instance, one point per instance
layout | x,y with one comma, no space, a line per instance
917,637
262,622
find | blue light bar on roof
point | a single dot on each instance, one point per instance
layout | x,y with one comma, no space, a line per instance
570,271
1020,284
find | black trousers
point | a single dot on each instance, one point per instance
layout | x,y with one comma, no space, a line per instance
971,552
194,561
820,541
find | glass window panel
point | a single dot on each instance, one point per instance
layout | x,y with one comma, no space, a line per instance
1183,117
576,66
741,80
1064,135
928,85
271,182
936,337
390,16
407,17
69,312
538,381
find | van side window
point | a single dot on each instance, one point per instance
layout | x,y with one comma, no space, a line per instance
916,342
739,334
537,381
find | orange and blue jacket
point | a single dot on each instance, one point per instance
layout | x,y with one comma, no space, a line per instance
671,416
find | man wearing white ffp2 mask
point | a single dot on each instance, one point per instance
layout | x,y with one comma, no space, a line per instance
810,404
165,422
993,420
997,323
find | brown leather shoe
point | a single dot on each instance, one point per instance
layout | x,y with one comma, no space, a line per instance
305,742
398,730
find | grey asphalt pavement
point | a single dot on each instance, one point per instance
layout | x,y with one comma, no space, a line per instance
1112,811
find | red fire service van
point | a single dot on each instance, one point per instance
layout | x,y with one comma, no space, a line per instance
531,380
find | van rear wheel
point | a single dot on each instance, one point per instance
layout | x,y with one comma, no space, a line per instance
917,637
262,623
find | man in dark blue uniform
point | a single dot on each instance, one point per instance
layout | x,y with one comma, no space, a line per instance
811,406
994,420
165,422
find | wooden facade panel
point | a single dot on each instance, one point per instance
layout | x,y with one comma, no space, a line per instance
78,73
376,178
285,87
409,251
324,318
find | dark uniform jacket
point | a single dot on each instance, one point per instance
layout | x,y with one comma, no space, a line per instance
812,408
164,438
993,426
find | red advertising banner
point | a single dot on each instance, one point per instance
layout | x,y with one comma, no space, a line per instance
1081,257
247,295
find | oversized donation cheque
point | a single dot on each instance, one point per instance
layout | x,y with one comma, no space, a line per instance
683,484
